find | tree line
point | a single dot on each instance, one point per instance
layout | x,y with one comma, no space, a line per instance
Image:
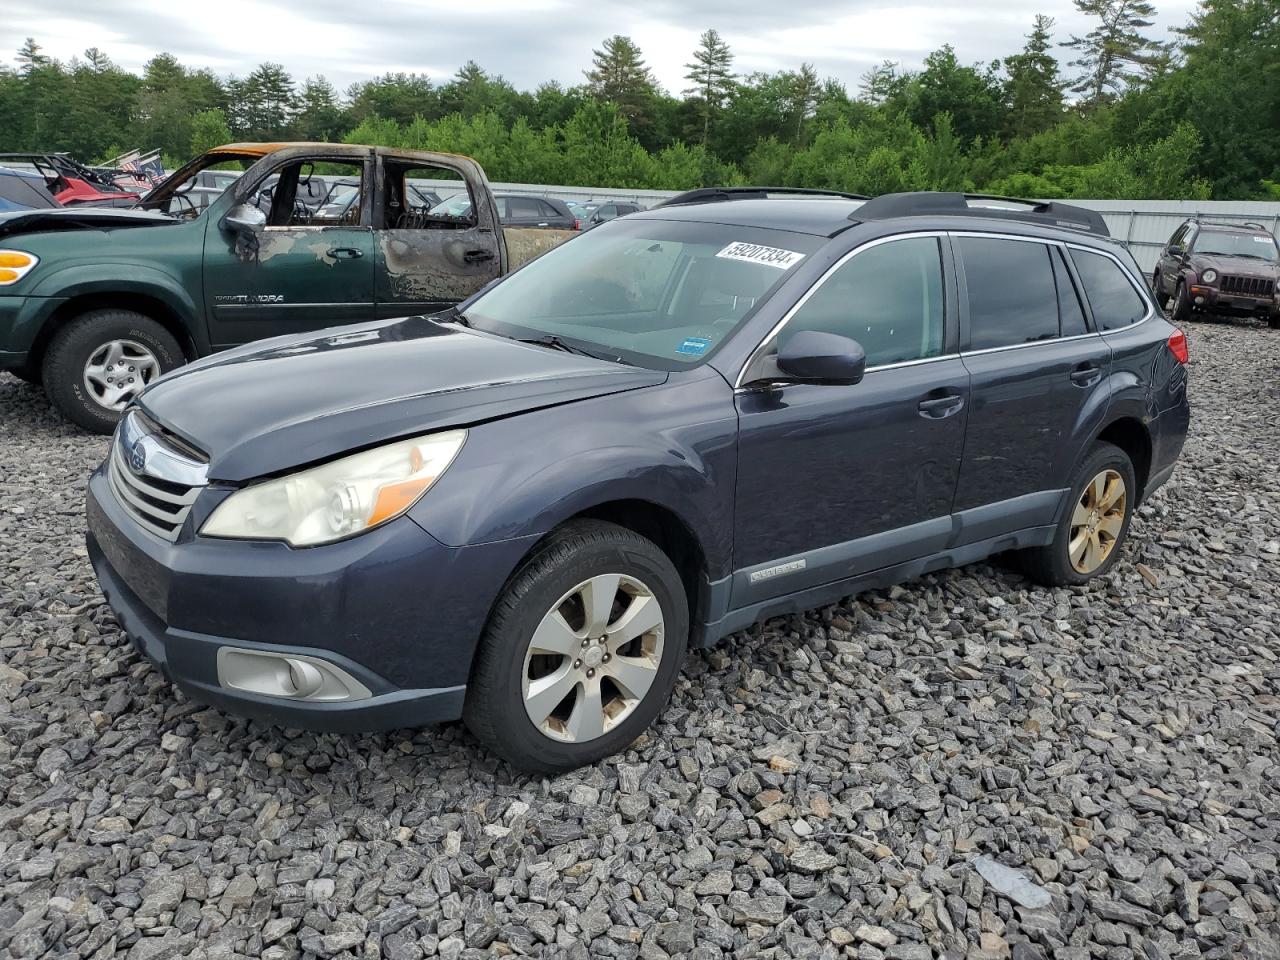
1113,113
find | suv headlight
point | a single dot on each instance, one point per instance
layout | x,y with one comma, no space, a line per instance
14,265
1209,276
337,499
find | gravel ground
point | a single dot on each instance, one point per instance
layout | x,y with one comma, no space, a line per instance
845,783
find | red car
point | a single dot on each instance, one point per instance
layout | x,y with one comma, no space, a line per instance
71,182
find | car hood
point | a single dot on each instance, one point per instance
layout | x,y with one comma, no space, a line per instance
1237,266
79,218
291,401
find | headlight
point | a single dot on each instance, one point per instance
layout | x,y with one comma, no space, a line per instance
14,265
338,499
1209,276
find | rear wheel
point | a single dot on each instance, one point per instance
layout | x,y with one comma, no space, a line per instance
100,361
581,652
1091,534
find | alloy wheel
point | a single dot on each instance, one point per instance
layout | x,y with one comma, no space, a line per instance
1097,521
117,371
593,658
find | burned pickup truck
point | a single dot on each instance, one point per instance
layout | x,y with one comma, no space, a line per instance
96,303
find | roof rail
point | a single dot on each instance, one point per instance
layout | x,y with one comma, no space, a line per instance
1049,213
1247,224
719,194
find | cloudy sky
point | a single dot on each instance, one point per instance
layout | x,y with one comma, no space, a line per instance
529,41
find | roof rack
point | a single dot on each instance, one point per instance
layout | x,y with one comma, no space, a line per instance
719,194
1047,213
1247,224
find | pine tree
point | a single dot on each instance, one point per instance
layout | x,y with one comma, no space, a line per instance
1112,54
882,83
619,75
1034,86
30,57
97,61
319,116
711,76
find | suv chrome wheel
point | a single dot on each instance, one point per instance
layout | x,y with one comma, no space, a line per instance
117,371
1097,521
593,658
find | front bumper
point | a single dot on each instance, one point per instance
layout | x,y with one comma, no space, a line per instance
1213,300
394,608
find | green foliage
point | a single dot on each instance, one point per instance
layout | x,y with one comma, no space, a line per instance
1201,122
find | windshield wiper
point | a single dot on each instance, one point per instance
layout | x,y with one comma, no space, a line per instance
553,342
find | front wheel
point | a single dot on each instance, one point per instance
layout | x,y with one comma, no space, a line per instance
1157,288
1089,537
101,360
1182,304
581,652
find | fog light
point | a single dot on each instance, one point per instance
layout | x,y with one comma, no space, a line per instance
291,677
1199,300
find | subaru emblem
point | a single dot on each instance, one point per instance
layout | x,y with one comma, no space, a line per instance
137,457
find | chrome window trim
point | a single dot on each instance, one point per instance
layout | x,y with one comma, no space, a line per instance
786,317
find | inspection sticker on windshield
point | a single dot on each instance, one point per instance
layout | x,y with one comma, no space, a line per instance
754,253
693,346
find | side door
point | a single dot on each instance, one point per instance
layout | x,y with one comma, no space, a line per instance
428,261
1038,382
298,272
1169,265
834,481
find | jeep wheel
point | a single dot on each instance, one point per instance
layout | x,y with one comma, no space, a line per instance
1093,528
1157,288
581,652
1182,304
101,360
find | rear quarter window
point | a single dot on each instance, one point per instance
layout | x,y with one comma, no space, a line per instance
1112,297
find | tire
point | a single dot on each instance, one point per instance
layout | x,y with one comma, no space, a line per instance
86,341
1052,565
1157,288
505,668
1181,304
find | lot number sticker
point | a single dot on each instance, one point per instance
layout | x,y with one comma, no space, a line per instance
755,253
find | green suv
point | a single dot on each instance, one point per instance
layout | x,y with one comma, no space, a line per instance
96,303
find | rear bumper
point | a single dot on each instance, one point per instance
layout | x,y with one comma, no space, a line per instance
394,608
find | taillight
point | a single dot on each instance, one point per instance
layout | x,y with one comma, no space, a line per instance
1178,346
577,224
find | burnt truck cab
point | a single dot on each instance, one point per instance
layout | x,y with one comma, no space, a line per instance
1220,268
97,303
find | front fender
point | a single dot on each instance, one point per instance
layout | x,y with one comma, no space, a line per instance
673,446
121,276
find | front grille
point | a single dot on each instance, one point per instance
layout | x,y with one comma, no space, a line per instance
1248,286
157,504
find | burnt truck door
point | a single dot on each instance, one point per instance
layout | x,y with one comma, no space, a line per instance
307,267
427,261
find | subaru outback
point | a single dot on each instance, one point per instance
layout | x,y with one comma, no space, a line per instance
524,510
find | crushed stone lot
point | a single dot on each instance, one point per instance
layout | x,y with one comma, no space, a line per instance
847,783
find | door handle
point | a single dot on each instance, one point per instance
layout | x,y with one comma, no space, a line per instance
544,224
345,253
477,256
936,408
1086,376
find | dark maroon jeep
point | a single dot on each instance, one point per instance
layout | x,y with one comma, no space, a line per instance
1219,268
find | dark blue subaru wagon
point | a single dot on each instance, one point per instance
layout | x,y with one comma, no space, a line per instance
522,511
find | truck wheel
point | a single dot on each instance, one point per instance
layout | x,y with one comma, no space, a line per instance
581,652
1091,533
1157,288
1182,304
101,360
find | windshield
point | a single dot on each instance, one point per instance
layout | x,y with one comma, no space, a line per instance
456,206
1213,243
658,293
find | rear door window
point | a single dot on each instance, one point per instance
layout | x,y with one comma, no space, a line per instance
523,208
1112,297
1013,298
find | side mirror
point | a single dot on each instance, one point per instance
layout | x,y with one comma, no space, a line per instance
244,218
1176,250
811,356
